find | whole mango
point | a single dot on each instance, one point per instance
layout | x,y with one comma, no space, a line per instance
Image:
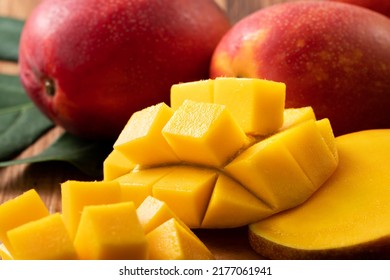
89,64
332,56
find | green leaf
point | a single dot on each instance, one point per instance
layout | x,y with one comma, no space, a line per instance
21,123
10,31
86,155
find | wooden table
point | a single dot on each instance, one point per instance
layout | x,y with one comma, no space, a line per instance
46,177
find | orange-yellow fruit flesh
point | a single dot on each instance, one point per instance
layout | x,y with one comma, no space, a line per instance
194,133
43,239
172,241
15,212
201,91
115,165
347,214
110,232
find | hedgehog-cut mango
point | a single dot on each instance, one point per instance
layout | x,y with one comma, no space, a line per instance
216,166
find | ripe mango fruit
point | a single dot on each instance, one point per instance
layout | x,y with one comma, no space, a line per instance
226,153
347,218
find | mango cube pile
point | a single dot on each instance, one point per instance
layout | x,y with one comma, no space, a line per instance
226,153
94,225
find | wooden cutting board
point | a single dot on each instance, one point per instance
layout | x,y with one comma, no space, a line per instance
46,177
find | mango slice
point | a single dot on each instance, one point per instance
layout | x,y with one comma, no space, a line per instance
221,157
347,218
15,212
76,195
141,139
43,239
110,232
172,241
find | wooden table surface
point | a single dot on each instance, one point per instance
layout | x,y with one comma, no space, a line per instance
46,177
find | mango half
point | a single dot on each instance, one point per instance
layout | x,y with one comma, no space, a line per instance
348,218
213,164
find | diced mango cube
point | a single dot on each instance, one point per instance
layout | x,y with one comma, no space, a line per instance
194,132
201,91
268,170
77,194
153,212
43,239
256,104
293,116
172,241
187,191
137,185
15,212
231,205
110,232
115,165
141,140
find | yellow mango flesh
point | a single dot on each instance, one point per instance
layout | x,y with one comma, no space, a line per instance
76,195
347,217
268,173
116,165
42,239
194,133
172,241
18,211
4,253
141,139
110,232
202,91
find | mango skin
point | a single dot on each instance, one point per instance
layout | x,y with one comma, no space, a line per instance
380,6
108,59
331,56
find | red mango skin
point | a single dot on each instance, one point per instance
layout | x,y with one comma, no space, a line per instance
332,56
380,6
109,59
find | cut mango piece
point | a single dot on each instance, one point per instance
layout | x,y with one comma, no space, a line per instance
194,133
348,217
5,255
231,205
137,185
187,191
293,116
43,239
201,91
153,212
256,104
110,232
116,165
141,139
172,241
77,194
15,212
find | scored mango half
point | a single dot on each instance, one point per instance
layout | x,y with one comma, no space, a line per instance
226,153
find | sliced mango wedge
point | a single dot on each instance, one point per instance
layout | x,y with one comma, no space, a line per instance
347,218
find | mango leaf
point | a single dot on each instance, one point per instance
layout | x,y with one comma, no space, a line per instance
21,123
10,30
86,155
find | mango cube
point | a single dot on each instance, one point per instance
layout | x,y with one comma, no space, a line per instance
232,204
141,140
77,194
187,191
43,239
172,241
4,253
194,132
293,116
201,91
138,184
115,165
110,232
256,104
18,211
